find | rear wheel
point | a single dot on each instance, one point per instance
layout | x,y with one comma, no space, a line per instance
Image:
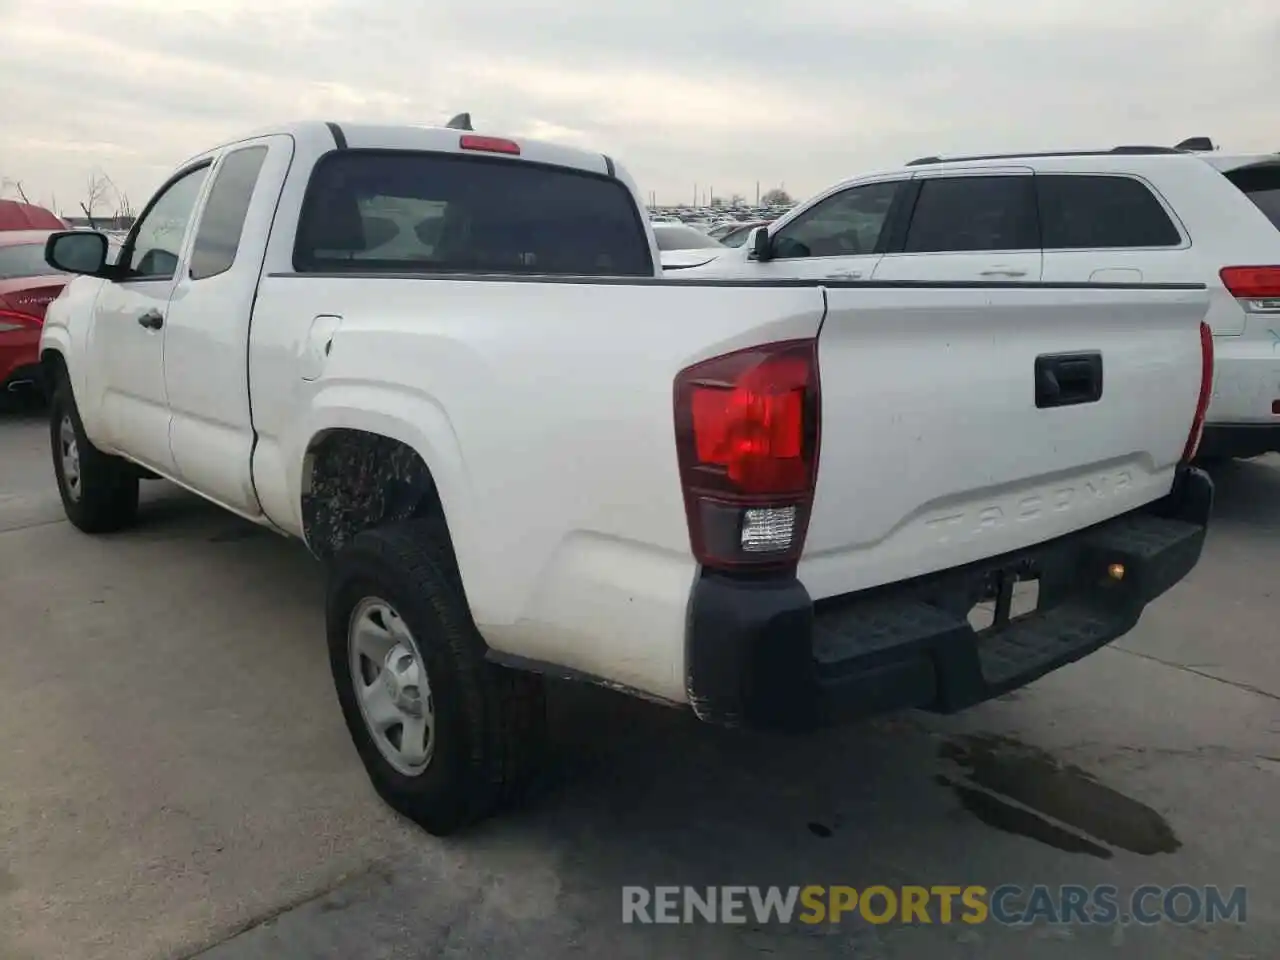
99,492
445,736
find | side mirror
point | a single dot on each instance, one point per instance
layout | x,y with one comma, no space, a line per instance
77,251
760,245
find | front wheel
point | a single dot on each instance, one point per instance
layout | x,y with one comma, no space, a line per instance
99,492
444,735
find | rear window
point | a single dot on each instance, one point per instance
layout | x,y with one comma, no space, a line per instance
1101,212
222,223
383,212
24,260
1262,186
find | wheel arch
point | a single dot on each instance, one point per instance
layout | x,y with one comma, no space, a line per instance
355,479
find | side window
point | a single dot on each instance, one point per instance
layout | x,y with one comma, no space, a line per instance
843,225
959,214
157,239
222,222
1095,212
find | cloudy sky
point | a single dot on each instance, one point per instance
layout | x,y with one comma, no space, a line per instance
714,92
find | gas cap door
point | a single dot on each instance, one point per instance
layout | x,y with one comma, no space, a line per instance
318,344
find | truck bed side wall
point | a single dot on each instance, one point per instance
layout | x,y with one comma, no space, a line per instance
544,412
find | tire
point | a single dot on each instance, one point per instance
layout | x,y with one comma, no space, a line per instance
486,723
102,495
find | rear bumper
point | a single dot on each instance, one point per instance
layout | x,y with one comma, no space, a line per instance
19,377
762,654
1239,439
19,356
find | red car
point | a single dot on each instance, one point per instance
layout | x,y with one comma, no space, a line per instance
27,285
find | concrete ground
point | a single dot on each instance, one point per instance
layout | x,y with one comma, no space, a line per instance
175,779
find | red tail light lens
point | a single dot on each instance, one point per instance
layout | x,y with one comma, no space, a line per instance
1249,282
1258,285
489,144
747,440
13,320
1206,391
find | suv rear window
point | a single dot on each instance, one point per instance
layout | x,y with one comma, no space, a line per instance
1093,212
385,212
1261,184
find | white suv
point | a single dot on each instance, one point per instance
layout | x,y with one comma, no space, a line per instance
1127,215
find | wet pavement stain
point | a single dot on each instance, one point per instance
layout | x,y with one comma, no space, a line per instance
1069,795
1002,815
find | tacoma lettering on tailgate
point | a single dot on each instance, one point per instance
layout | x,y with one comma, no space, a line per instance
964,524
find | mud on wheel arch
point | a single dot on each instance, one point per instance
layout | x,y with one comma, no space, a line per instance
354,481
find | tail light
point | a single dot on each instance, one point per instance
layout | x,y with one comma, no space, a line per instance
1206,391
747,441
13,320
1258,288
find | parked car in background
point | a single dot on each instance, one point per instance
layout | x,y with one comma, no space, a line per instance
1124,215
17,215
681,246
737,235
27,285
721,228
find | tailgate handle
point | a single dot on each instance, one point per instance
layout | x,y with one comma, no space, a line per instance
1066,379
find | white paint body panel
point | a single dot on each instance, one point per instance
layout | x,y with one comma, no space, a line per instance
544,412
933,451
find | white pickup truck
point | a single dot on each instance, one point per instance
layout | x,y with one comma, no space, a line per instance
449,364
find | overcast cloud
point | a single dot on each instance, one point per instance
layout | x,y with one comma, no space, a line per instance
719,92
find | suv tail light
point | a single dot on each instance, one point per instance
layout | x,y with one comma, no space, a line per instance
13,320
1257,287
1206,391
747,442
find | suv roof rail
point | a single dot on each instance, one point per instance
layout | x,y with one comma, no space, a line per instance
1124,149
1197,145
460,122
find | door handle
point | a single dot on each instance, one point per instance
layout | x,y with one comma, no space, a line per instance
152,320
1003,273
845,275
1066,379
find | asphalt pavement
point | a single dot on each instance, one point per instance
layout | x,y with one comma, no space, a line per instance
176,781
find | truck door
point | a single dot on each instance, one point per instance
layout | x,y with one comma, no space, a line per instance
127,342
207,329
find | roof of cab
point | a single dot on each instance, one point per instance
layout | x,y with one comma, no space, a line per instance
328,135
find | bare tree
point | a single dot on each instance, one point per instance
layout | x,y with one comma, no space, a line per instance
776,197
7,183
97,188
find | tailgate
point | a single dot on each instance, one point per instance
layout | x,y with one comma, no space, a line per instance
942,441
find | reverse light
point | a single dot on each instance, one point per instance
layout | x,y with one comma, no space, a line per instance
472,141
747,441
1206,391
1258,288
